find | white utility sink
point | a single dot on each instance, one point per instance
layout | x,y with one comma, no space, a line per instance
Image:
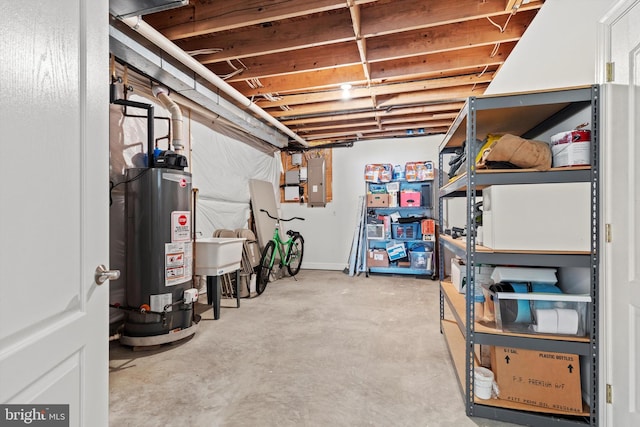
218,255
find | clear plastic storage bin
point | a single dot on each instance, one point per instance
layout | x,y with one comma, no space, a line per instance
540,313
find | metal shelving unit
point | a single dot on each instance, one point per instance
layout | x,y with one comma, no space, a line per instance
406,211
527,115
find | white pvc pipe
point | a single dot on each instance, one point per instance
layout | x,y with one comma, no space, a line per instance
162,93
204,112
151,34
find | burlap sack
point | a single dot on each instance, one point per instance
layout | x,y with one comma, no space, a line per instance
523,153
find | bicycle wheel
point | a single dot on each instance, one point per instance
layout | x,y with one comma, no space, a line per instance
264,268
294,257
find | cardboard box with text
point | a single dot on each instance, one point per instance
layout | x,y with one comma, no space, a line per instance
539,378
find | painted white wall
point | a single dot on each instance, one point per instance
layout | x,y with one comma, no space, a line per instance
328,231
557,50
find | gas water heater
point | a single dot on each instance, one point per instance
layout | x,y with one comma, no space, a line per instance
159,250
159,255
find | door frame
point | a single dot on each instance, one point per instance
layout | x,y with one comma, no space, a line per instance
606,338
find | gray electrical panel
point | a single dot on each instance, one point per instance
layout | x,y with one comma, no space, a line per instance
316,192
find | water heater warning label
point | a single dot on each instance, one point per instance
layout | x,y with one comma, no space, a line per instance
180,226
177,262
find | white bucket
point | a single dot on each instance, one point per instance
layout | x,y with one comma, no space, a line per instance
483,382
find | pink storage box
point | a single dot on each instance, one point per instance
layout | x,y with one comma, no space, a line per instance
409,198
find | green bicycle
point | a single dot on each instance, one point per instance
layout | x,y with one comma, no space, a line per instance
290,251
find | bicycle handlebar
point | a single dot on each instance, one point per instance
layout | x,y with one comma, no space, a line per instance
281,219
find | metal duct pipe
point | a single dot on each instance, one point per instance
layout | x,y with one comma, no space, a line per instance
147,31
162,93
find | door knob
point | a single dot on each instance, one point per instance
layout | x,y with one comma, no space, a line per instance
102,274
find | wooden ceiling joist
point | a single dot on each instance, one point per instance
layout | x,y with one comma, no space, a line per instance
411,63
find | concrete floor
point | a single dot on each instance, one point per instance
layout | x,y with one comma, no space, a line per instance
325,350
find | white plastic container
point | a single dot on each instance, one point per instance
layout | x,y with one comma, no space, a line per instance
459,275
482,382
544,217
524,274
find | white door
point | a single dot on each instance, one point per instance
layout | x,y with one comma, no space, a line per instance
54,209
621,124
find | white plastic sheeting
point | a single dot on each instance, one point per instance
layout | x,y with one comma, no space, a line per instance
222,168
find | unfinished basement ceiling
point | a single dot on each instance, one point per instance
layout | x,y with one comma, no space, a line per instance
410,63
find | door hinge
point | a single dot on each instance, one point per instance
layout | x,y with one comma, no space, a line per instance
609,394
607,233
610,71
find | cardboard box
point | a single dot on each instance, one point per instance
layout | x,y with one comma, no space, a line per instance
483,354
538,378
377,258
544,217
377,200
393,199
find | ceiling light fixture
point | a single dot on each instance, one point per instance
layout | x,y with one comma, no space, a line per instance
346,91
